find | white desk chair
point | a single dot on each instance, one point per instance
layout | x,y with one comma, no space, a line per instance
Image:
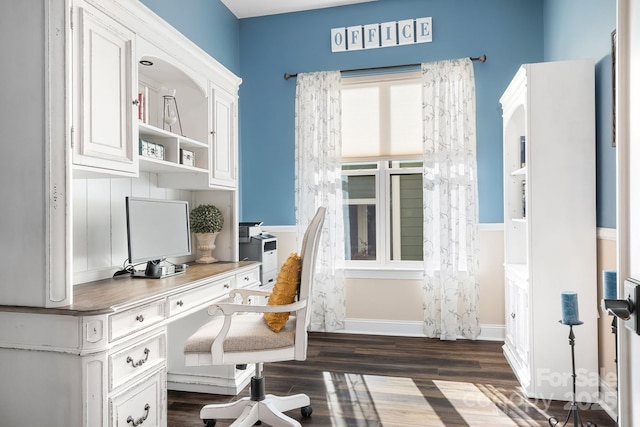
242,336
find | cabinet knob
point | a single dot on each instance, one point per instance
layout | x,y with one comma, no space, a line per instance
140,318
513,315
180,303
136,101
226,286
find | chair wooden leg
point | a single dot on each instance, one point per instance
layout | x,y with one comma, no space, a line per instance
249,416
230,410
287,403
247,412
270,414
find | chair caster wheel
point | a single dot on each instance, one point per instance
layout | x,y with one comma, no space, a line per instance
209,423
306,411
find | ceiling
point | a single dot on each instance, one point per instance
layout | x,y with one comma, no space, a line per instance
251,8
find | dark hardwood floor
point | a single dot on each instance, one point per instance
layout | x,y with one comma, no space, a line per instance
363,380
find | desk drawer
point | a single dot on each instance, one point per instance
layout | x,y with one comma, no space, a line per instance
143,404
248,278
200,296
133,361
123,324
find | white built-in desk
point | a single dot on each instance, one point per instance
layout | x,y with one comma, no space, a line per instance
108,358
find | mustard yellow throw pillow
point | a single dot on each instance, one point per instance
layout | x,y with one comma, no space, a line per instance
284,291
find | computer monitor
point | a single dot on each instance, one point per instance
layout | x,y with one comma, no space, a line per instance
156,229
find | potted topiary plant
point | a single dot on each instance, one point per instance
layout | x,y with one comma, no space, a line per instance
206,222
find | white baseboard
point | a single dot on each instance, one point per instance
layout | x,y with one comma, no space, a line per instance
608,399
409,328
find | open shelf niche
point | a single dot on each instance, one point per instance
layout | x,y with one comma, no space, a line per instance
181,146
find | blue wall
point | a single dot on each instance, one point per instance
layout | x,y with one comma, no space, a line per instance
582,29
508,32
261,50
208,23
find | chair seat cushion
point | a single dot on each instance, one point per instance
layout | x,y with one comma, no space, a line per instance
248,332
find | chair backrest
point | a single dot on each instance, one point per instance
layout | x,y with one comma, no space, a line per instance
308,255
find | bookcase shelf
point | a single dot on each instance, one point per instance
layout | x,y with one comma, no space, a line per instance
520,172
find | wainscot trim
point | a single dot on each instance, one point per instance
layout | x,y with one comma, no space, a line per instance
607,233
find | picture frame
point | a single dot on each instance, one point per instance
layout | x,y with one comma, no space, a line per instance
151,149
187,157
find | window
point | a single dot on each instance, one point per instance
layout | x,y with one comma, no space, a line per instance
382,170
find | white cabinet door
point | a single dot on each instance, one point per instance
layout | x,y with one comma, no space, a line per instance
517,319
511,313
517,336
223,144
522,321
104,126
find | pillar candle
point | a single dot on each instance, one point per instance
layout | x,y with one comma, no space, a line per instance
570,308
609,284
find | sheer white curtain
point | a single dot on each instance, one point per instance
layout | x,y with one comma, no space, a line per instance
318,182
450,200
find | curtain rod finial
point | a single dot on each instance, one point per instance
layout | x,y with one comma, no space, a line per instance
287,76
483,57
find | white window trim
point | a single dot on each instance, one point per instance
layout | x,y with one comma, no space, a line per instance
383,267
383,260
400,273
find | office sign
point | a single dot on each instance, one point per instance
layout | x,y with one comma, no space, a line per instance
386,34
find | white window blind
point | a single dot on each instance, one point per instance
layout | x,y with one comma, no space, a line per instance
381,116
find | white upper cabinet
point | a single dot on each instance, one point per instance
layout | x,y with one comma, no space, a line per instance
223,144
104,109
144,101
75,78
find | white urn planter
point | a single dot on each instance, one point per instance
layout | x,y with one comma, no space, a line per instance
206,243
206,222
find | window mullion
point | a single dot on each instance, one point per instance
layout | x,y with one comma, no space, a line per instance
384,119
382,246
395,236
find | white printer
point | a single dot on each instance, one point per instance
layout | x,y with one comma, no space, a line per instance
258,246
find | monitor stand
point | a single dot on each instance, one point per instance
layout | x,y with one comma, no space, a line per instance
155,270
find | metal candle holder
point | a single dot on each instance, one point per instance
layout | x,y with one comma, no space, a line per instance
170,113
614,330
574,409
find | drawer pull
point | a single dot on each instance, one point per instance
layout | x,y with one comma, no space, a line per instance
140,318
180,303
513,315
226,286
246,278
140,420
141,361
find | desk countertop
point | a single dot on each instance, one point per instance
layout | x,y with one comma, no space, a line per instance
112,295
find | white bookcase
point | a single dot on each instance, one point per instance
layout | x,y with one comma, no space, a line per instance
550,226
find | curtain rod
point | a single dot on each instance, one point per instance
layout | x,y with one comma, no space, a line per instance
481,58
